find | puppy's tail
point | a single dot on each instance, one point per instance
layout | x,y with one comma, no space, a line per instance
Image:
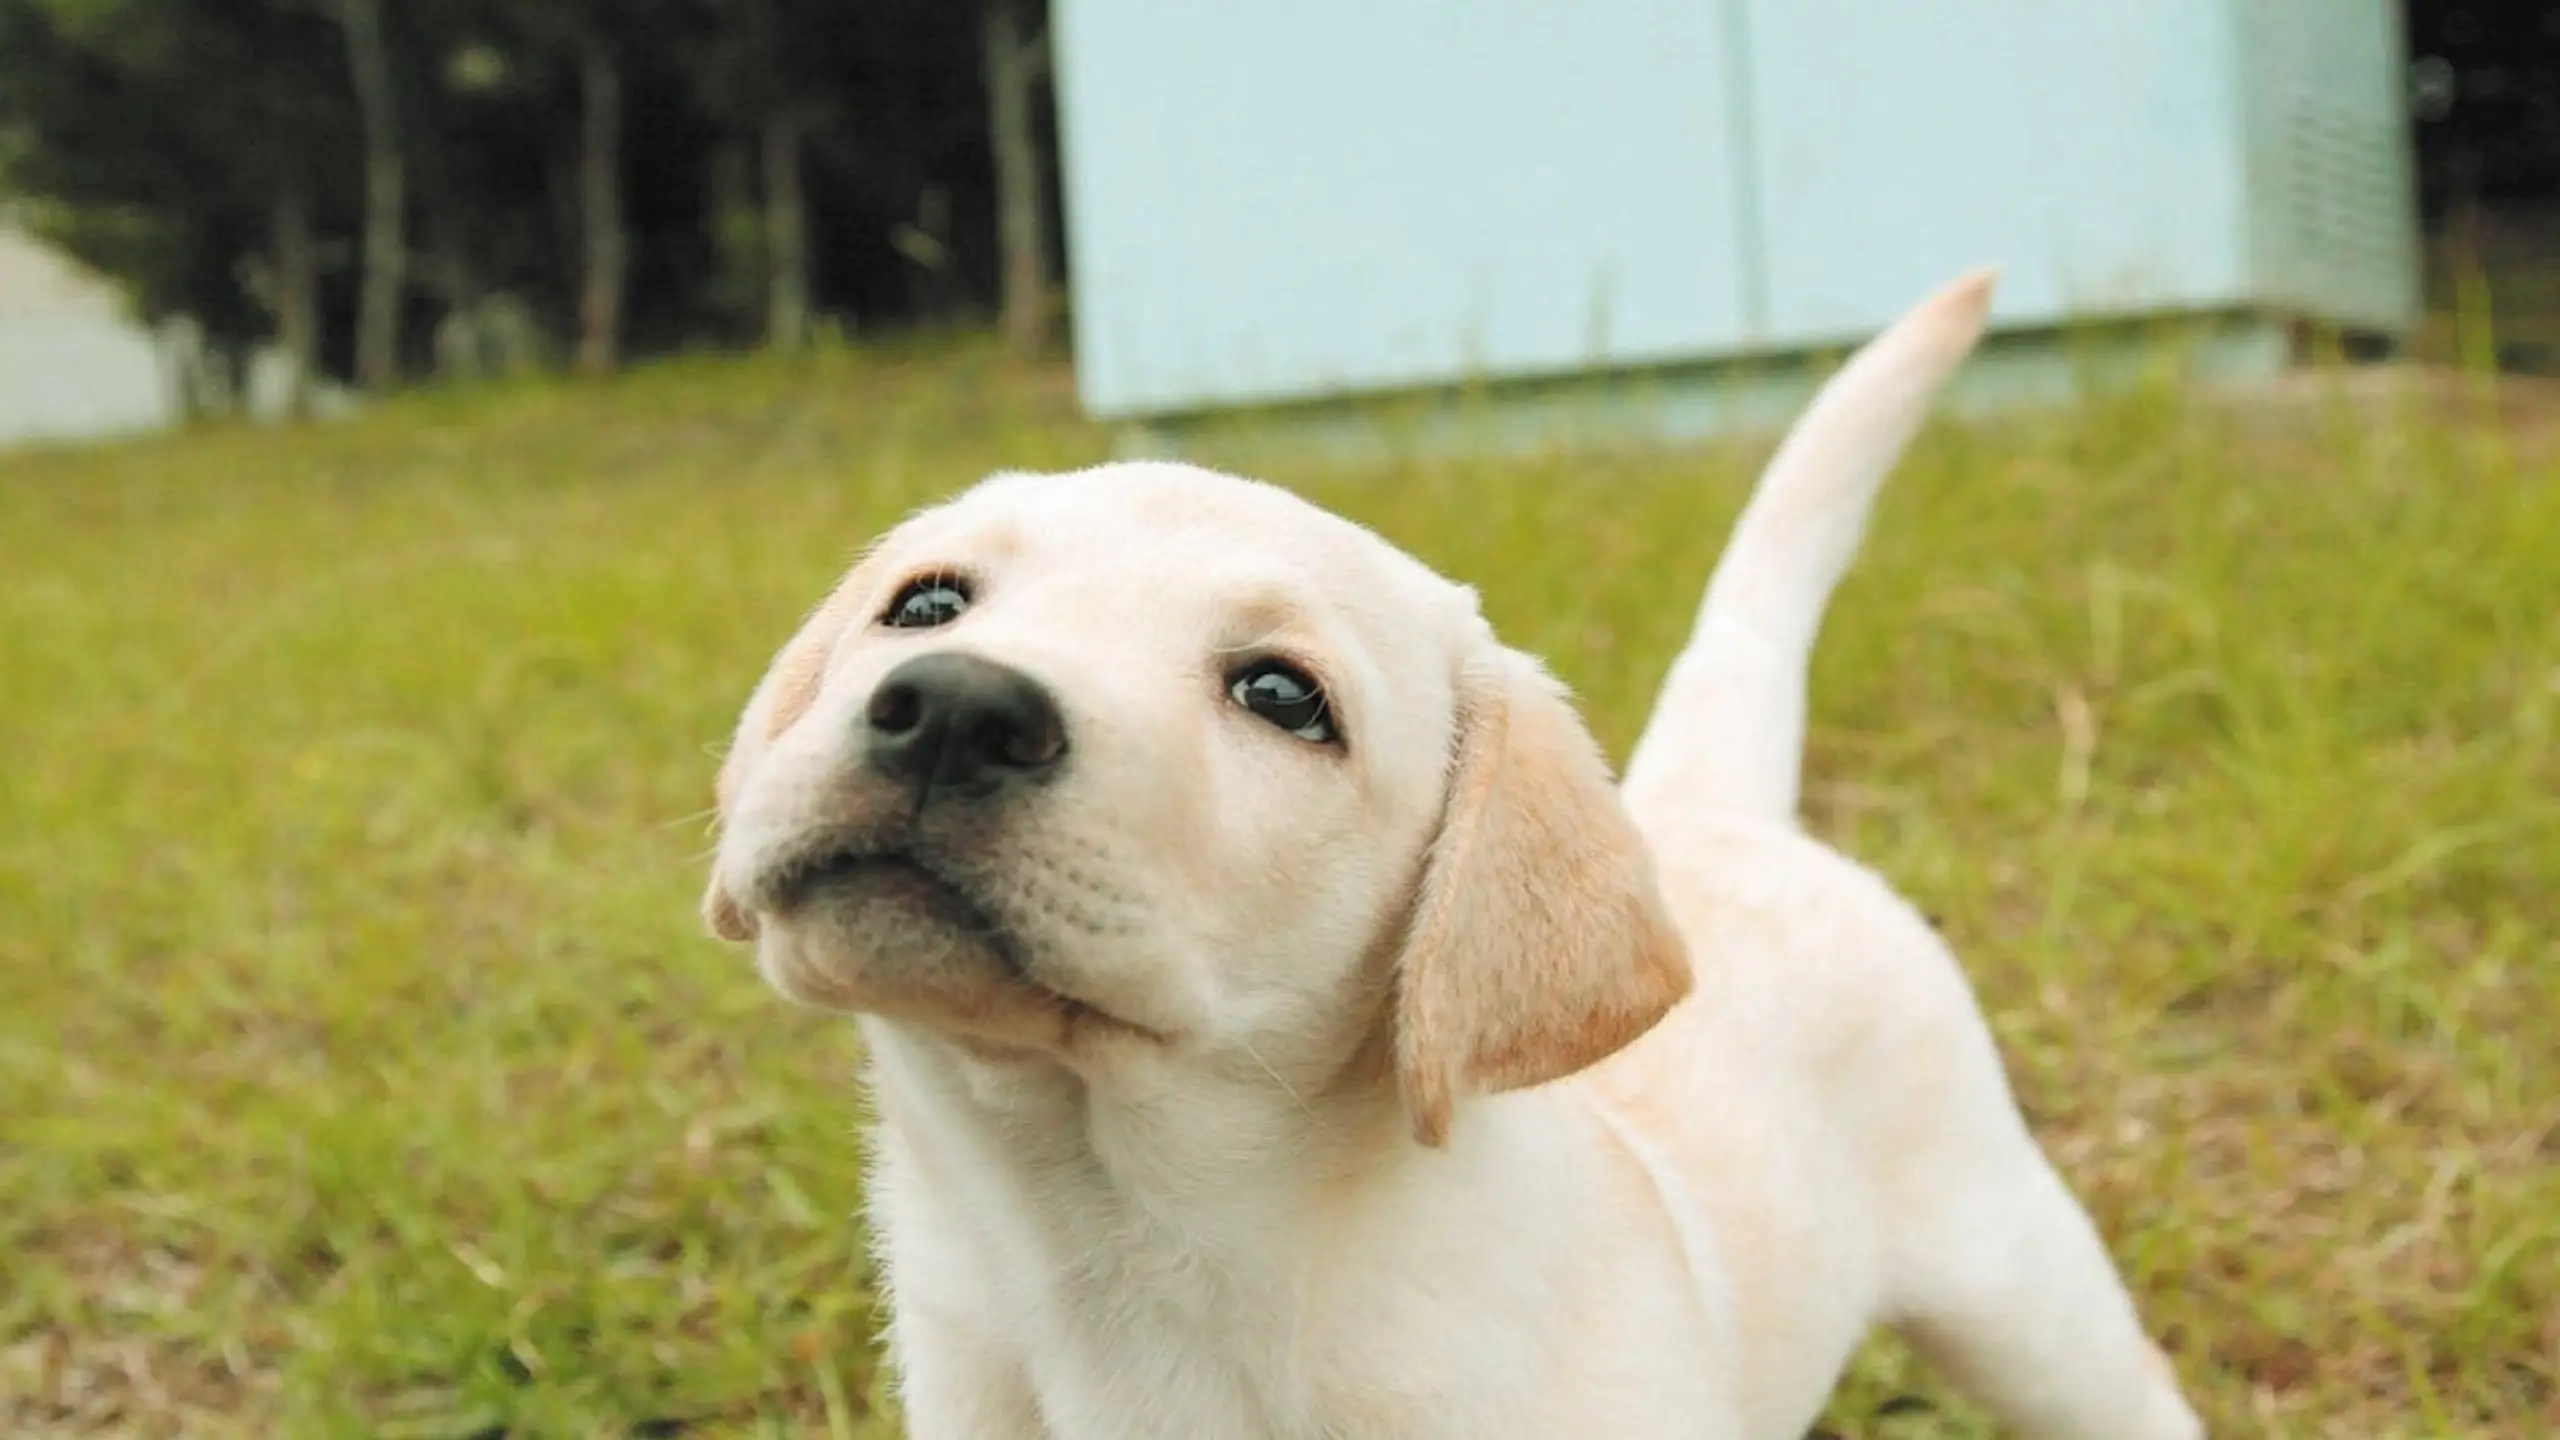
1727,734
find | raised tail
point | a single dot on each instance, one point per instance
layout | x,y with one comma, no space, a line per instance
1727,734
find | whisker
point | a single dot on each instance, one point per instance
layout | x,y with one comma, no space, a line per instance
1285,1087
706,813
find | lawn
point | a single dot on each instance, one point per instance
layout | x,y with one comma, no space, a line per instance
363,1070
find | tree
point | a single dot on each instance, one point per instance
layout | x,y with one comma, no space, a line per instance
592,48
386,249
297,293
776,71
786,231
608,246
1015,48
2488,102
217,218
367,183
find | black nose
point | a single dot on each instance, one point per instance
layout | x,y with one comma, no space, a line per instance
961,725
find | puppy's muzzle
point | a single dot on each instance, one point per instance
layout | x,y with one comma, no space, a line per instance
956,726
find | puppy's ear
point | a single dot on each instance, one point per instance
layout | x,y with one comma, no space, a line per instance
789,687
1538,944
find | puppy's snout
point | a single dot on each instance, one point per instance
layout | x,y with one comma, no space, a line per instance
961,725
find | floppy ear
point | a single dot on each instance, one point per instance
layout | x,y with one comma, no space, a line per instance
1539,944
789,687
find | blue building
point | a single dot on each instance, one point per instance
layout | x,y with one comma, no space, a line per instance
1328,198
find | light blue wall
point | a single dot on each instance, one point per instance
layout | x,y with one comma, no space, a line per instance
2332,177
1283,201
1268,200
2086,146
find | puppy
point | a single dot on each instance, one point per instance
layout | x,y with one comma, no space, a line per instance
1281,1025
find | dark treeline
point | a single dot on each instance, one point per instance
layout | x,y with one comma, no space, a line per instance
396,188
2484,100
2485,88
390,189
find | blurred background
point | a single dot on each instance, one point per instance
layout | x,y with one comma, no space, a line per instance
423,418
271,206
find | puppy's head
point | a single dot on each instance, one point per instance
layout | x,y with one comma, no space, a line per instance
1149,761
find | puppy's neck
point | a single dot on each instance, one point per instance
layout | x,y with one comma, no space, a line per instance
1193,1107
1205,1145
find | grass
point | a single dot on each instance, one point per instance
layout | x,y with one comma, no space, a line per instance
363,1072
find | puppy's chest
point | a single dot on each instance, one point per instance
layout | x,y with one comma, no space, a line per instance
1131,1324
1137,1316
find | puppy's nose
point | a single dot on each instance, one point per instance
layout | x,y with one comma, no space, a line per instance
961,725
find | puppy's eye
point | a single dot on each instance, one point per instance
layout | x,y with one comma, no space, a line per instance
926,602
1283,694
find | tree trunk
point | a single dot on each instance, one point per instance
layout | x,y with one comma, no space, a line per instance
1013,63
180,343
385,196
297,298
786,235
462,341
734,217
600,210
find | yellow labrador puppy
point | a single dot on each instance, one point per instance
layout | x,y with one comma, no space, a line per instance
1281,1025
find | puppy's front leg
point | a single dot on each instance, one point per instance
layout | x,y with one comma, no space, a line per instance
954,1385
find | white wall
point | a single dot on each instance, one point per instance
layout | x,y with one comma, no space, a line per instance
72,365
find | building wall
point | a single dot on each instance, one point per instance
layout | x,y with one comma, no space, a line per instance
1265,200
2090,148
2333,166
1330,197
72,365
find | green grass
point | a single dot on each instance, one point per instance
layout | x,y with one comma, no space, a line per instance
363,1072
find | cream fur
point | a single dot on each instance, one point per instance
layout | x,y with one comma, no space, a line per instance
1424,1086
